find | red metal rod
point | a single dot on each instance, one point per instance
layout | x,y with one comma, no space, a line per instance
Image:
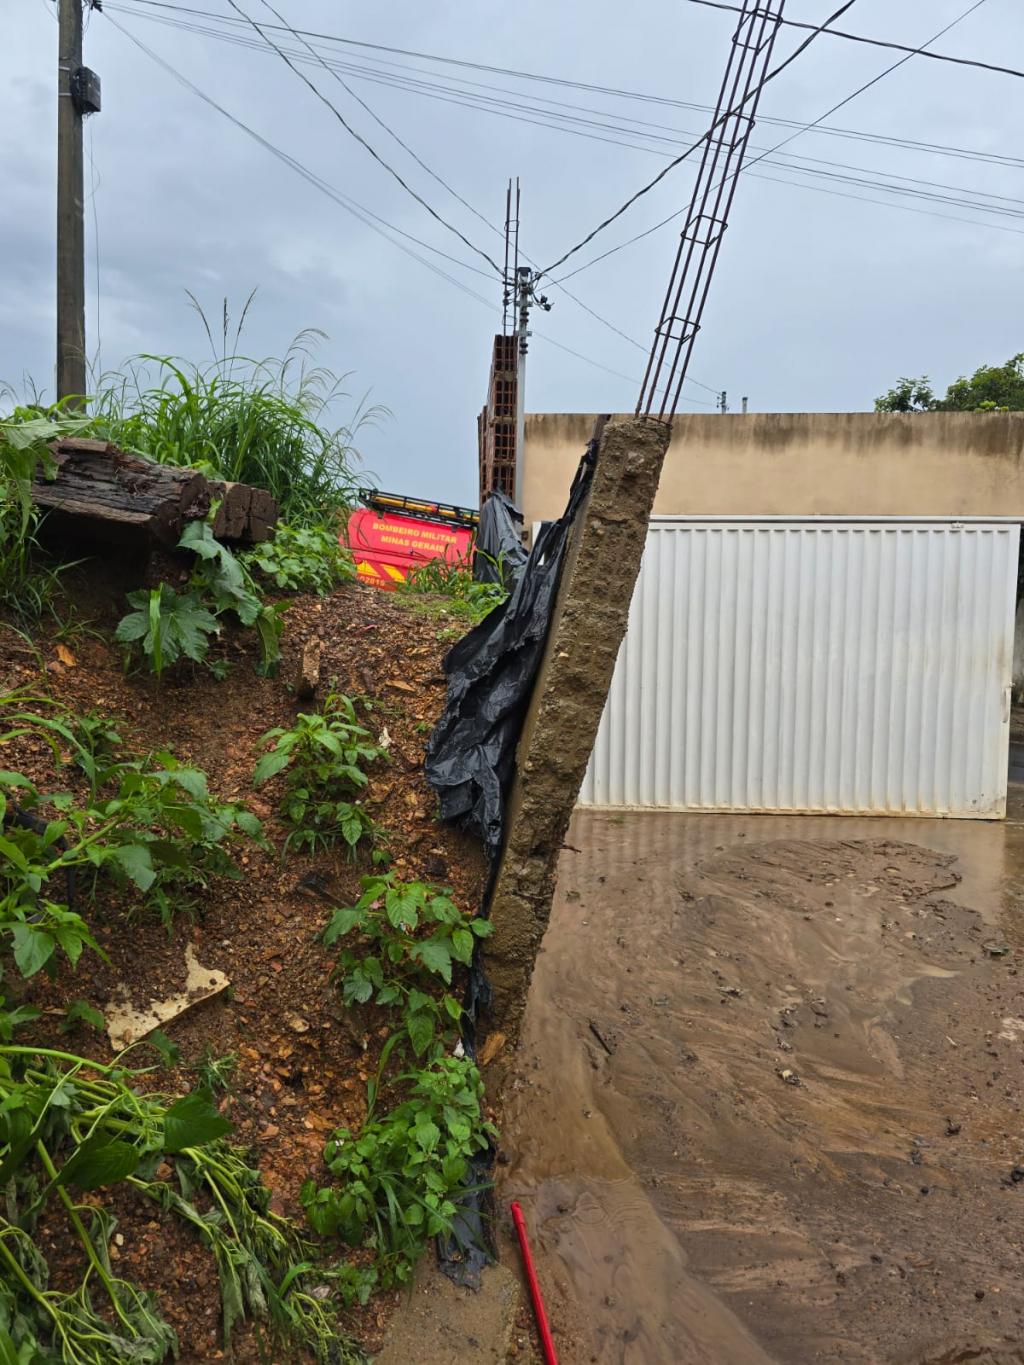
550,1358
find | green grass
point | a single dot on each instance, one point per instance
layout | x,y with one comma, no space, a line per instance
269,422
446,591
29,583
261,422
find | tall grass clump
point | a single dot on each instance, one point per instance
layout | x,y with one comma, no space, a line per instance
28,583
265,422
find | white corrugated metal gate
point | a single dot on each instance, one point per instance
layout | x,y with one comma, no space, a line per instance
824,664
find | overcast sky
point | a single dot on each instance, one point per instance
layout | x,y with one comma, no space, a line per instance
820,302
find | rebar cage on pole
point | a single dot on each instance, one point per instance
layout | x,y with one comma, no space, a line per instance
725,147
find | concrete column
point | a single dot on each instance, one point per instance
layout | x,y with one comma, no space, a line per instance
588,625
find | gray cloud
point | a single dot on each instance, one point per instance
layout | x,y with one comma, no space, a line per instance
819,304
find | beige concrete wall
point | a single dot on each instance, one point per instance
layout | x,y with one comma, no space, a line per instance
852,463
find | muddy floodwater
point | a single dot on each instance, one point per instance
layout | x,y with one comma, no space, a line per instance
768,1103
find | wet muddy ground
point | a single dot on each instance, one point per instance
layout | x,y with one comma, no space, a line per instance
769,1094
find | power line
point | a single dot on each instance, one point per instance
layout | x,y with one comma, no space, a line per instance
470,100
807,127
228,22
358,211
906,189
810,170
914,52
387,128
375,116
362,141
581,85
853,180
608,370
260,46
645,189
393,134
796,184
878,42
351,206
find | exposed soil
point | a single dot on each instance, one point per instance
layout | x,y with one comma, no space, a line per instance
770,1092
303,1059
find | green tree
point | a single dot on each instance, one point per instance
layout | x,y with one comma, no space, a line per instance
992,388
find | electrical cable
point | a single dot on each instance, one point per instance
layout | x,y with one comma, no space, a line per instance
471,103
337,197
428,88
909,181
254,45
471,100
877,42
363,142
387,128
730,113
796,184
94,184
806,128
580,85
376,117
350,205
618,373
868,84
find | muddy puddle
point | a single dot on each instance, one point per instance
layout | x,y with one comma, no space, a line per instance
769,1098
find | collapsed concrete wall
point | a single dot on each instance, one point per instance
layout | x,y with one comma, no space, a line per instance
589,622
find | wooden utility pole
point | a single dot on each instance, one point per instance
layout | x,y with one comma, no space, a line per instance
70,206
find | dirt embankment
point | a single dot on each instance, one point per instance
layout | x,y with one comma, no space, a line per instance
302,1058
769,1106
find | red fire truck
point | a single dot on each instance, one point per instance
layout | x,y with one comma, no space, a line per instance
391,536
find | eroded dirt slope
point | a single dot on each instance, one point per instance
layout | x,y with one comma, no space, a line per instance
302,1058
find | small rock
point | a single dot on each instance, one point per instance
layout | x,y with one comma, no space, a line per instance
952,1127
308,679
297,1024
790,1077
1017,1174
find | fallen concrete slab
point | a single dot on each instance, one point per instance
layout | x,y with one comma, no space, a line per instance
587,628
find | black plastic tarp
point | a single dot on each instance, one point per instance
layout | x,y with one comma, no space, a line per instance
491,671
469,763
500,555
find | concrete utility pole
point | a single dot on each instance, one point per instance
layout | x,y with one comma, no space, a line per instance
77,95
524,300
524,291
723,402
